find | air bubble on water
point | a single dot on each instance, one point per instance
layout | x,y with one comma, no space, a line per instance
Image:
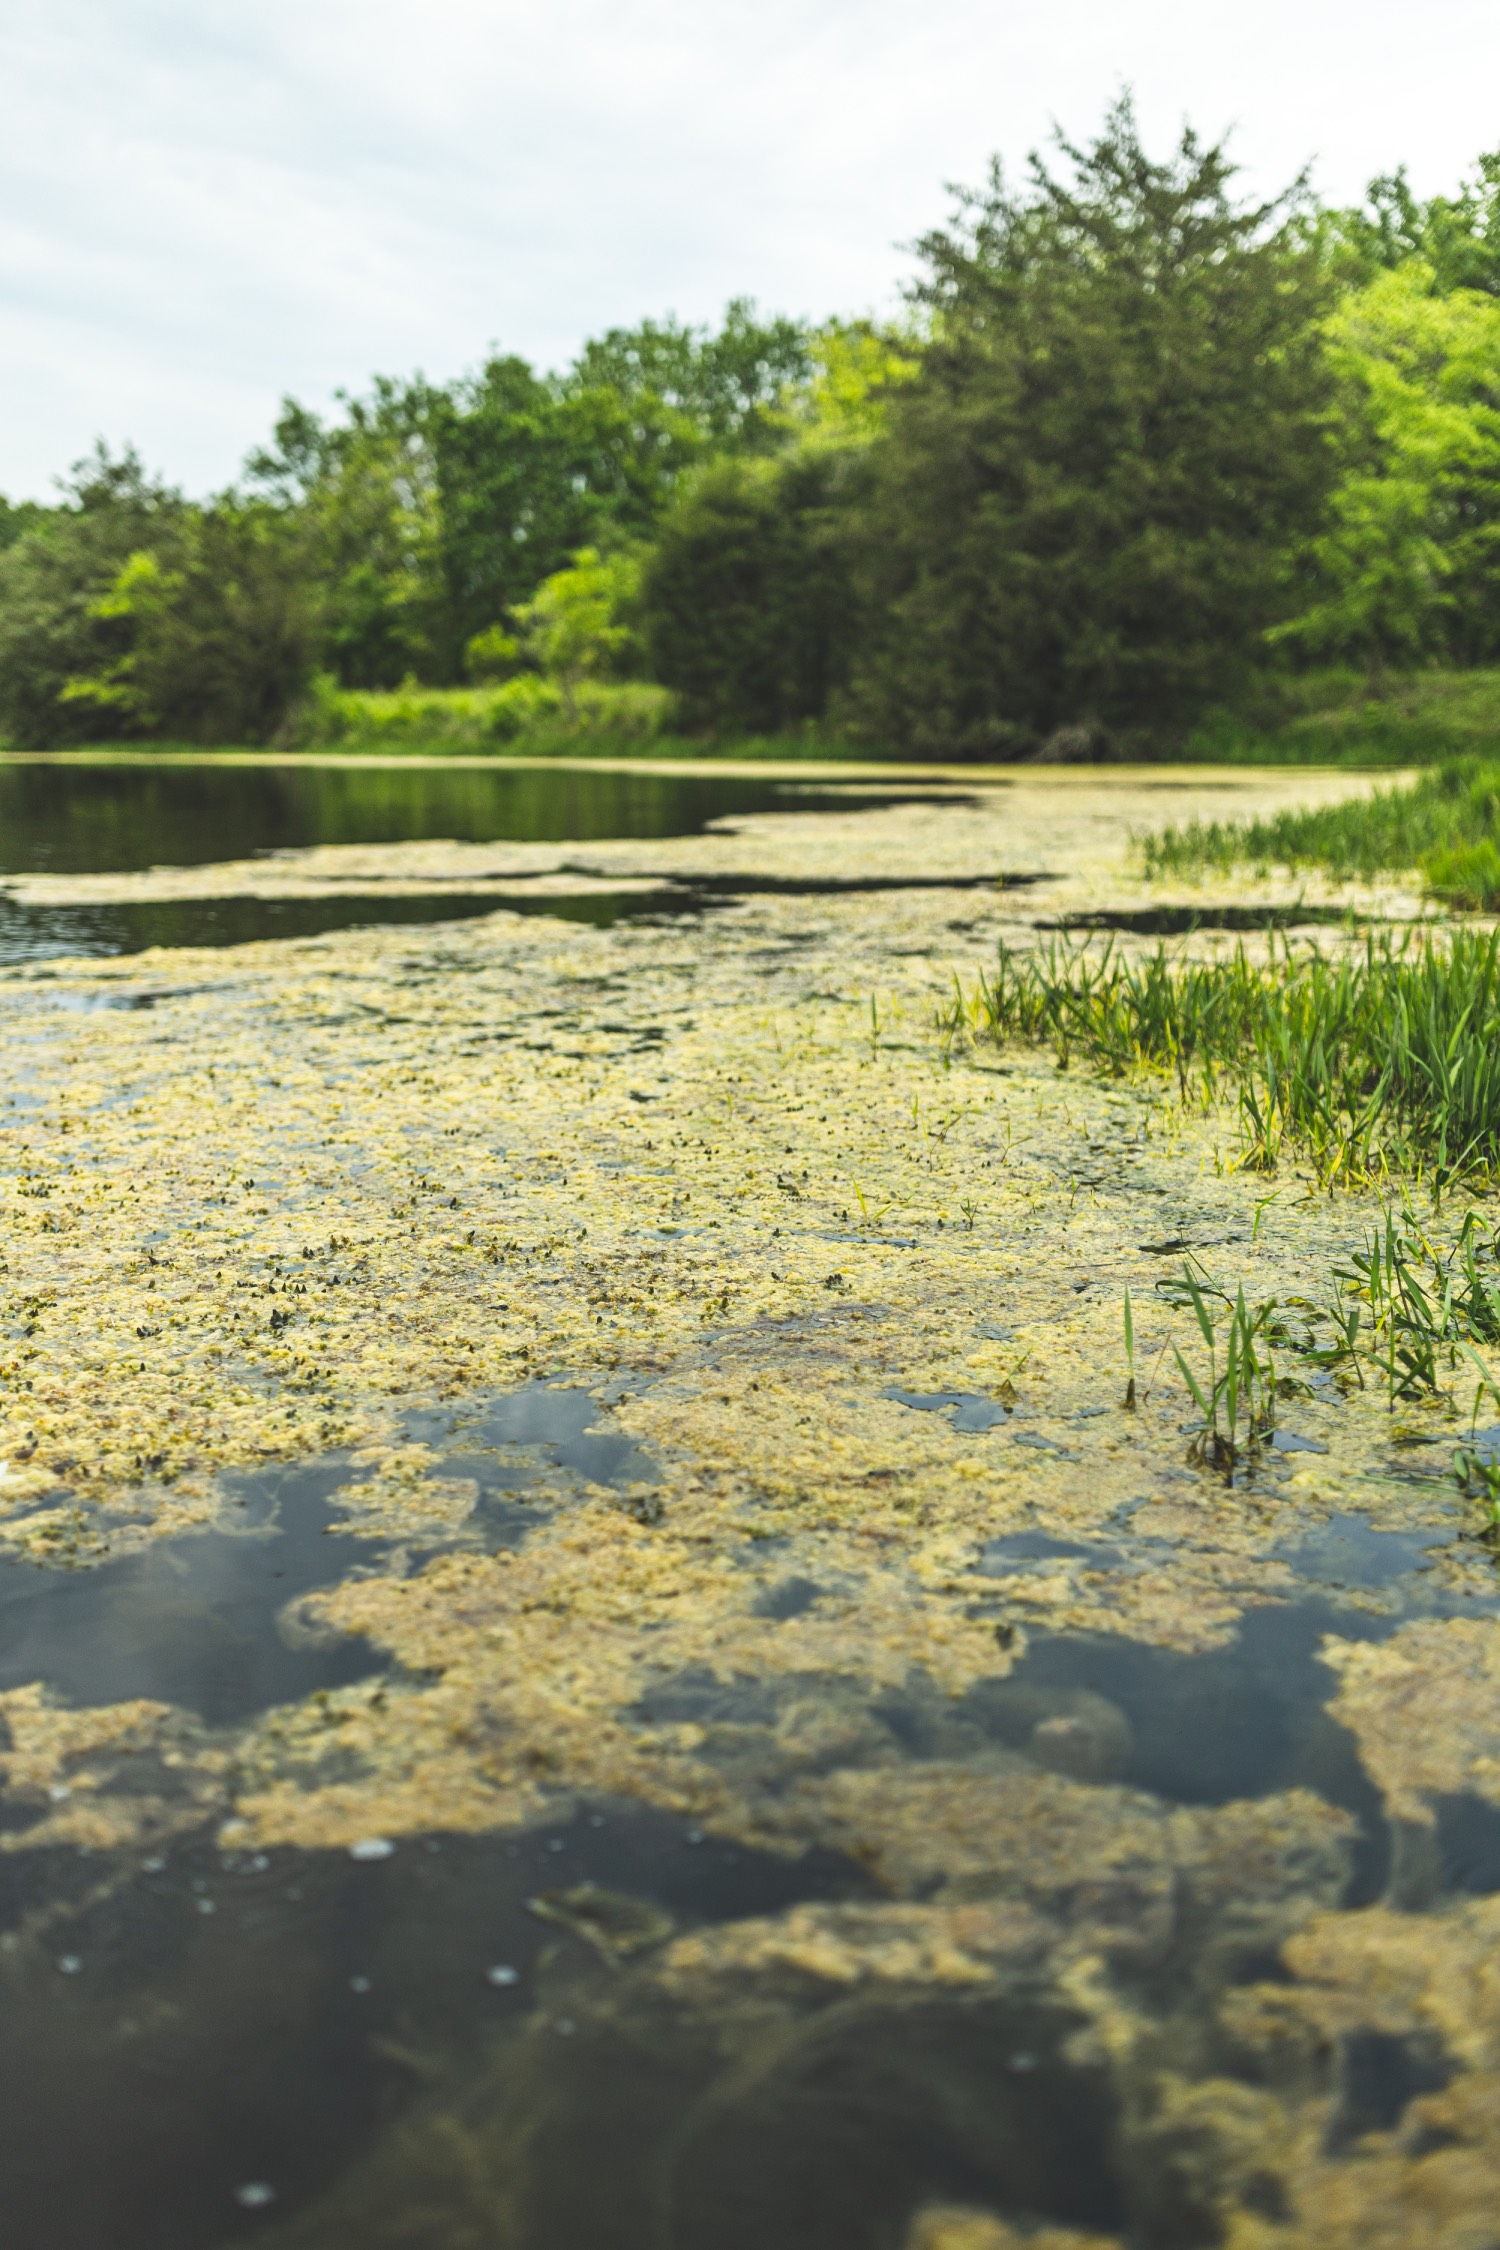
255,2195
69,1964
503,1973
359,1984
207,1906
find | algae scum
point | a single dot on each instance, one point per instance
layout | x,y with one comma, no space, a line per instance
589,1655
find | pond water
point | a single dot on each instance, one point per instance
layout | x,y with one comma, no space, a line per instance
60,819
788,1959
80,819
201,2045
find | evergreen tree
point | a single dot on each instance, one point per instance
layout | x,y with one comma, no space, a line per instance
1081,504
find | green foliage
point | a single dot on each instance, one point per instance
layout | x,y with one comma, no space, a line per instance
1236,1394
219,645
1446,823
1384,1059
366,494
16,518
439,513
746,602
1138,459
1081,504
724,390
1338,717
854,366
1404,566
1457,236
577,625
524,715
126,612
51,579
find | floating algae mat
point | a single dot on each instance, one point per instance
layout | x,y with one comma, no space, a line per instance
589,1654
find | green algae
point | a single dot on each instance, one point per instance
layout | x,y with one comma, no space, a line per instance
317,1190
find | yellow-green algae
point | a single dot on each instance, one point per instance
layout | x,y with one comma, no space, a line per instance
726,1166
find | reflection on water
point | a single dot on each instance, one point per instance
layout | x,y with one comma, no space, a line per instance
191,1621
45,933
612,2031
67,819
72,819
205,1621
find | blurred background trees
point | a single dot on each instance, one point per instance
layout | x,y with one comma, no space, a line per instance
1138,447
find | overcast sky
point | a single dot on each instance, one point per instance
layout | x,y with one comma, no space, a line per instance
205,205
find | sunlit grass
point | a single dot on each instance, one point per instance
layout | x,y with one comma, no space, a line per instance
1447,824
1380,1061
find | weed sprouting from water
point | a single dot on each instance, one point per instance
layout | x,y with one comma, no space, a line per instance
1384,1059
1237,1394
1478,1478
1409,1309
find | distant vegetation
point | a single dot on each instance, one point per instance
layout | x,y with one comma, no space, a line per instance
1145,469
1446,824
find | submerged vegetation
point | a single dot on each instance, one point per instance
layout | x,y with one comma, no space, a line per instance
1383,1059
1143,468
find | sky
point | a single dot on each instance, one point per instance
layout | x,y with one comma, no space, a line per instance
205,206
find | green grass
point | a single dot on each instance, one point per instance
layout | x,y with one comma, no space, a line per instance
1446,824
525,715
1385,1060
1334,718
528,717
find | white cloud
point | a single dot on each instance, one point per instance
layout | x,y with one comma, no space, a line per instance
202,206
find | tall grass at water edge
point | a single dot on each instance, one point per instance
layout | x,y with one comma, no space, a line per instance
1446,824
1379,1061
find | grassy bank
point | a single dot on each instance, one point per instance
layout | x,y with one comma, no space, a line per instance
1445,824
1328,718
528,717
1386,1061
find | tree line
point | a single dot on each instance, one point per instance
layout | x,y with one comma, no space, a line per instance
1137,444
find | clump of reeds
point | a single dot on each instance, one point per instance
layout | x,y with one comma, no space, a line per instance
1236,1394
1375,1061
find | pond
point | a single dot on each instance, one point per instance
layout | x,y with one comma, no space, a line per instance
74,818
591,1655
66,818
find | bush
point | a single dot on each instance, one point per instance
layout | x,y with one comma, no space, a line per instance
131,613
526,713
